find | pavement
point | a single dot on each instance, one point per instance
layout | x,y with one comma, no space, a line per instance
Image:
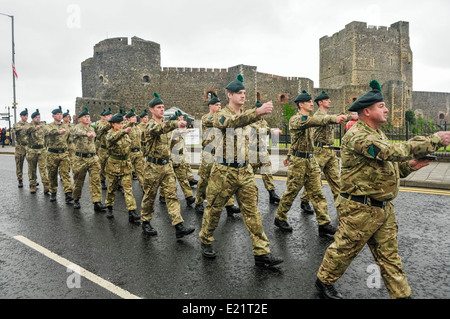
436,175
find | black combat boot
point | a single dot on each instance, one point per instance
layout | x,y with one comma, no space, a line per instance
327,291
283,225
133,217
109,214
76,204
180,230
273,197
68,197
306,208
190,200
232,210
208,251
53,197
267,260
148,229
199,209
99,207
20,183
327,229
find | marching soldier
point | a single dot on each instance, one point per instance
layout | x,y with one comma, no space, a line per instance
68,121
21,145
324,154
231,175
36,154
119,167
303,169
136,157
259,156
102,128
159,171
370,178
208,159
86,160
58,156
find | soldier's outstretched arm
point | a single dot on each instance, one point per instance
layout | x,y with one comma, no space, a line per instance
223,120
162,128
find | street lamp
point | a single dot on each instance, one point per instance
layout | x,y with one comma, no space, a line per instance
13,64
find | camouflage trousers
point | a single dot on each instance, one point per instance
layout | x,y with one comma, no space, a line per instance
223,183
181,174
81,166
37,158
160,176
20,154
329,164
102,158
264,166
113,185
137,164
204,172
61,162
360,224
304,172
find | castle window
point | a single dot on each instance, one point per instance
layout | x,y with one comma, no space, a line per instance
101,78
258,96
441,116
209,93
146,79
283,97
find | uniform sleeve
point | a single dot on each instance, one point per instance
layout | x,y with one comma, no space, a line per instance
303,122
161,128
112,137
223,120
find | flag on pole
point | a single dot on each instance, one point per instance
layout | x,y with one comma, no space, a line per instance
14,70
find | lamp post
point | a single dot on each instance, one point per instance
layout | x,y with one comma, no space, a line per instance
13,64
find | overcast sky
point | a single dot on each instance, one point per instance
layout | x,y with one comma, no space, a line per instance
53,37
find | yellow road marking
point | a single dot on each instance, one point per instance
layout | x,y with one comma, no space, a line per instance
83,272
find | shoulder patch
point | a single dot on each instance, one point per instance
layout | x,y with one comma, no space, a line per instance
152,125
374,150
222,119
210,118
304,118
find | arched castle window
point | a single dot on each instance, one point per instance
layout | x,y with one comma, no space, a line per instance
145,79
258,96
441,116
209,93
283,97
101,78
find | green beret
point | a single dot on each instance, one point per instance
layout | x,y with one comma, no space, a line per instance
258,104
236,85
65,114
322,96
24,112
33,115
107,112
369,98
303,97
103,112
116,118
156,100
57,110
84,112
143,114
214,99
130,114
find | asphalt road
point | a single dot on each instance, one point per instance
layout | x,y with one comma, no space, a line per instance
38,239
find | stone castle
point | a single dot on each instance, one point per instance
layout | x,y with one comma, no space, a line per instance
123,75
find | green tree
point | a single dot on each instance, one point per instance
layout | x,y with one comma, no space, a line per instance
288,112
410,117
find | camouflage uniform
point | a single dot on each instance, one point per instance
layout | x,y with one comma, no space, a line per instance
36,154
159,171
58,157
325,157
20,152
118,167
85,160
102,128
303,169
370,179
178,162
231,175
70,146
208,160
136,155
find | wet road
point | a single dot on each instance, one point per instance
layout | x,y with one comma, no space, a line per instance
119,261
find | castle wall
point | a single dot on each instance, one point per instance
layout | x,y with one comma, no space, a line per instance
431,105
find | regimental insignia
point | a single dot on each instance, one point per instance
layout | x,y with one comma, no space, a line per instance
222,120
374,150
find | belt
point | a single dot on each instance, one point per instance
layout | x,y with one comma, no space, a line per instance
321,144
57,150
88,155
234,164
302,155
119,158
366,200
38,147
135,150
159,161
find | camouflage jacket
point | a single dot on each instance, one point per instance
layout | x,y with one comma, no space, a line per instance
101,129
135,135
35,138
259,134
118,143
300,130
324,134
82,143
158,140
19,130
54,139
232,127
373,166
